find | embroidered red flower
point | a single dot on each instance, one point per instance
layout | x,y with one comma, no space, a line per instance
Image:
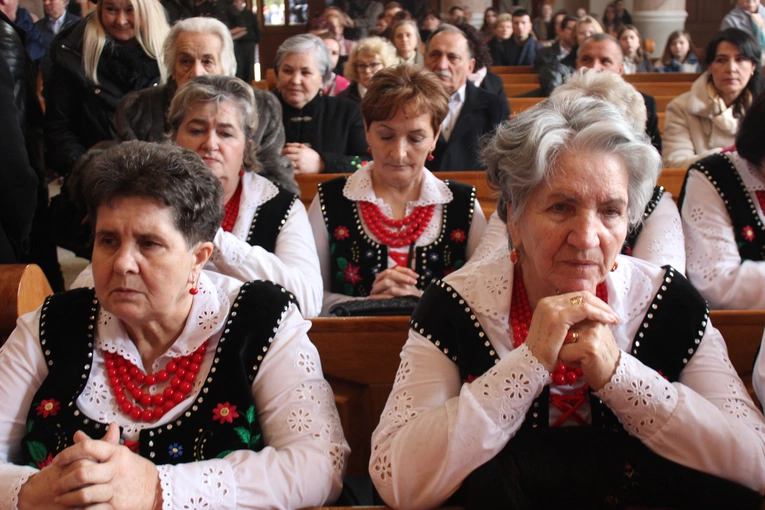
48,408
225,413
342,232
47,461
351,273
458,235
748,233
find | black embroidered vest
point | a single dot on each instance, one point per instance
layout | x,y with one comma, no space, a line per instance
747,227
273,215
356,259
632,237
221,419
667,339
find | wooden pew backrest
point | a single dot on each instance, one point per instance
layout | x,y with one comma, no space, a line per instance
23,288
672,180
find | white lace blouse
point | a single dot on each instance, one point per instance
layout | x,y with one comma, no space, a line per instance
661,241
714,264
359,188
293,265
435,429
302,463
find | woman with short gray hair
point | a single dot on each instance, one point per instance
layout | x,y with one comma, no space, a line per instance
533,369
324,134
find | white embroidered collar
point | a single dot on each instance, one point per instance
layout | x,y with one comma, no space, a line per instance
208,313
359,188
256,191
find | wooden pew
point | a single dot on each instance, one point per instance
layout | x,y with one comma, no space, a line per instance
672,180
662,102
512,69
271,78
742,331
509,79
516,89
663,89
518,104
661,77
23,288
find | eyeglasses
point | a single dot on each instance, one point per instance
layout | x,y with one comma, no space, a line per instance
372,66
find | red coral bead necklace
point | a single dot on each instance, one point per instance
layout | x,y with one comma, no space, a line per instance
128,381
387,230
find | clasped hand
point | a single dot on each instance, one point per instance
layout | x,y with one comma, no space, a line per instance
304,159
595,350
395,282
95,474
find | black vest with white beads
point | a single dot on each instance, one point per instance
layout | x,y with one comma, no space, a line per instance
221,419
273,215
747,226
632,237
667,339
355,258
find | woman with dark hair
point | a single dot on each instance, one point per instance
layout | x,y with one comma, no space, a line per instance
723,210
635,58
489,23
679,54
611,23
544,25
482,76
429,24
705,119
166,385
392,226
563,374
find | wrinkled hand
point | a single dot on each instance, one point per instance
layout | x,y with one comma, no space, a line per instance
304,159
595,352
103,474
555,315
394,282
36,493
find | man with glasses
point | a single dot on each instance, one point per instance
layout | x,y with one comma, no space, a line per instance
473,112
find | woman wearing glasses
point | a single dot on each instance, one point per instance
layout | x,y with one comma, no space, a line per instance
371,55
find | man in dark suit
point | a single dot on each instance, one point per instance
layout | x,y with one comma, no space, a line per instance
521,48
603,52
473,112
56,18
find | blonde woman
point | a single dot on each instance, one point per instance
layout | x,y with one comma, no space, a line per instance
368,57
115,50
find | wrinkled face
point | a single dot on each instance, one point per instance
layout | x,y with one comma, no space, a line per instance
366,67
585,30
521,27
504,30
299,79
405,39
601,56
215,133
630,43
400,145
334,50
431,22
749,5
490,17
196,55
574,225
730,70
118,18
142,267
680,48
54,8
448,56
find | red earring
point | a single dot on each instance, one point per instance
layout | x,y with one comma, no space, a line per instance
241,172
431,157
369,150
193,290
515,255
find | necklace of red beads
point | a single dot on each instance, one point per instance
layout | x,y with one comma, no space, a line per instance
396,233
128,383
520,319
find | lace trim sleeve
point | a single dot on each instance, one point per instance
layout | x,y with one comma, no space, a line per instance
641,399
22,475
197,485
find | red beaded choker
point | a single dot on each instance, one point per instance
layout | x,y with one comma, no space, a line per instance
127,379
386,229
232,210
520,319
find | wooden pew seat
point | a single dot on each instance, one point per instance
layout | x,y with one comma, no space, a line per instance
23,288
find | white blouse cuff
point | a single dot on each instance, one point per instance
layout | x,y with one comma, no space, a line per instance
642,400
508,389
229,251
207,484
18,477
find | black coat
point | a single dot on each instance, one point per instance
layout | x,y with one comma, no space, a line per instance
47,38
652,122
332,126
508,53
553,71
79,113
494,84
480,115
351,92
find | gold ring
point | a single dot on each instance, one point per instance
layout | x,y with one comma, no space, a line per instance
571,337
576,300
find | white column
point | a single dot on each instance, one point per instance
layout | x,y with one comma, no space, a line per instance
659,18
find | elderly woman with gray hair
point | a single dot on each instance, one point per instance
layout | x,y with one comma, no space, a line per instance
196,47
564,373
658,238
324,134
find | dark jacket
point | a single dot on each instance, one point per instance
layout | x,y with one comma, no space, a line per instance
332,126
494,84
34,42
351,92
142,115
652,122
480,115
79,112
18,182
553,71
508,53
47,38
